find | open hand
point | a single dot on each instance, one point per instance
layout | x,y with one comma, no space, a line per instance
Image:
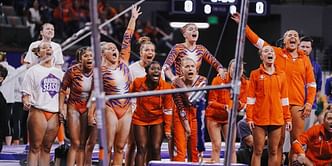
135,12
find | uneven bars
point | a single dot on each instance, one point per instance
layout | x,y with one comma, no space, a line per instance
236,84
164,92
98,85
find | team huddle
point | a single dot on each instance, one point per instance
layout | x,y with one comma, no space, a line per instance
277,97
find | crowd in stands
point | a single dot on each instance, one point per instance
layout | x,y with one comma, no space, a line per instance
69,16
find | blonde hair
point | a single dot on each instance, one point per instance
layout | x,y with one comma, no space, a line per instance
183,29
187,59
143,41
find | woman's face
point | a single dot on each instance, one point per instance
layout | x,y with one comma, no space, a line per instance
328,122
267,55
154,72
45,50
47,31
291,40
189,69
191,33
111,53
231,69
87,59
147,53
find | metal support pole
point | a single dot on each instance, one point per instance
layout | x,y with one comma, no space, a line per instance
236,83
98,84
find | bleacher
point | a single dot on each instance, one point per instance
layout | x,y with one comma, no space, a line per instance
13,28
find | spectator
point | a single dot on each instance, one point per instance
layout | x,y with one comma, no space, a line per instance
328,89
67,17
19,115
244,153
7,90
3,106
47,34
306,45
34,19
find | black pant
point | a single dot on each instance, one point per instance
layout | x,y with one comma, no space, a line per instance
8,114
16,120
3,125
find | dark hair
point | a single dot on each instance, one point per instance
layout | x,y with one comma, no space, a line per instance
327,112
81,51
2,56
41,29
307,39
36,51
24,54
149,65
3,72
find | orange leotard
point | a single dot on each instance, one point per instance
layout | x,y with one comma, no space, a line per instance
200,52
80,86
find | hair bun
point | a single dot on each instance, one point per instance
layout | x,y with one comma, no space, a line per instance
144,39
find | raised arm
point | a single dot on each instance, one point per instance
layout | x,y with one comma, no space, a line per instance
251,35
126,43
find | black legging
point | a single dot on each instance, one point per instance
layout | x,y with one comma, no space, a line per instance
8,115
3,125
17,120
148,140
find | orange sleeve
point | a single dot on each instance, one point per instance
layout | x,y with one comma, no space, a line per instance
311,82
243,93
209,58
126,45
284,98
304,139
168,111
255,39
251,99
213,95
172,55
66,81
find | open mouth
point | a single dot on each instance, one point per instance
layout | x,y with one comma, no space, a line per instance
89,62
292,41
155,76
330,128
114,55
194,35
149,57
270,57
190,73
